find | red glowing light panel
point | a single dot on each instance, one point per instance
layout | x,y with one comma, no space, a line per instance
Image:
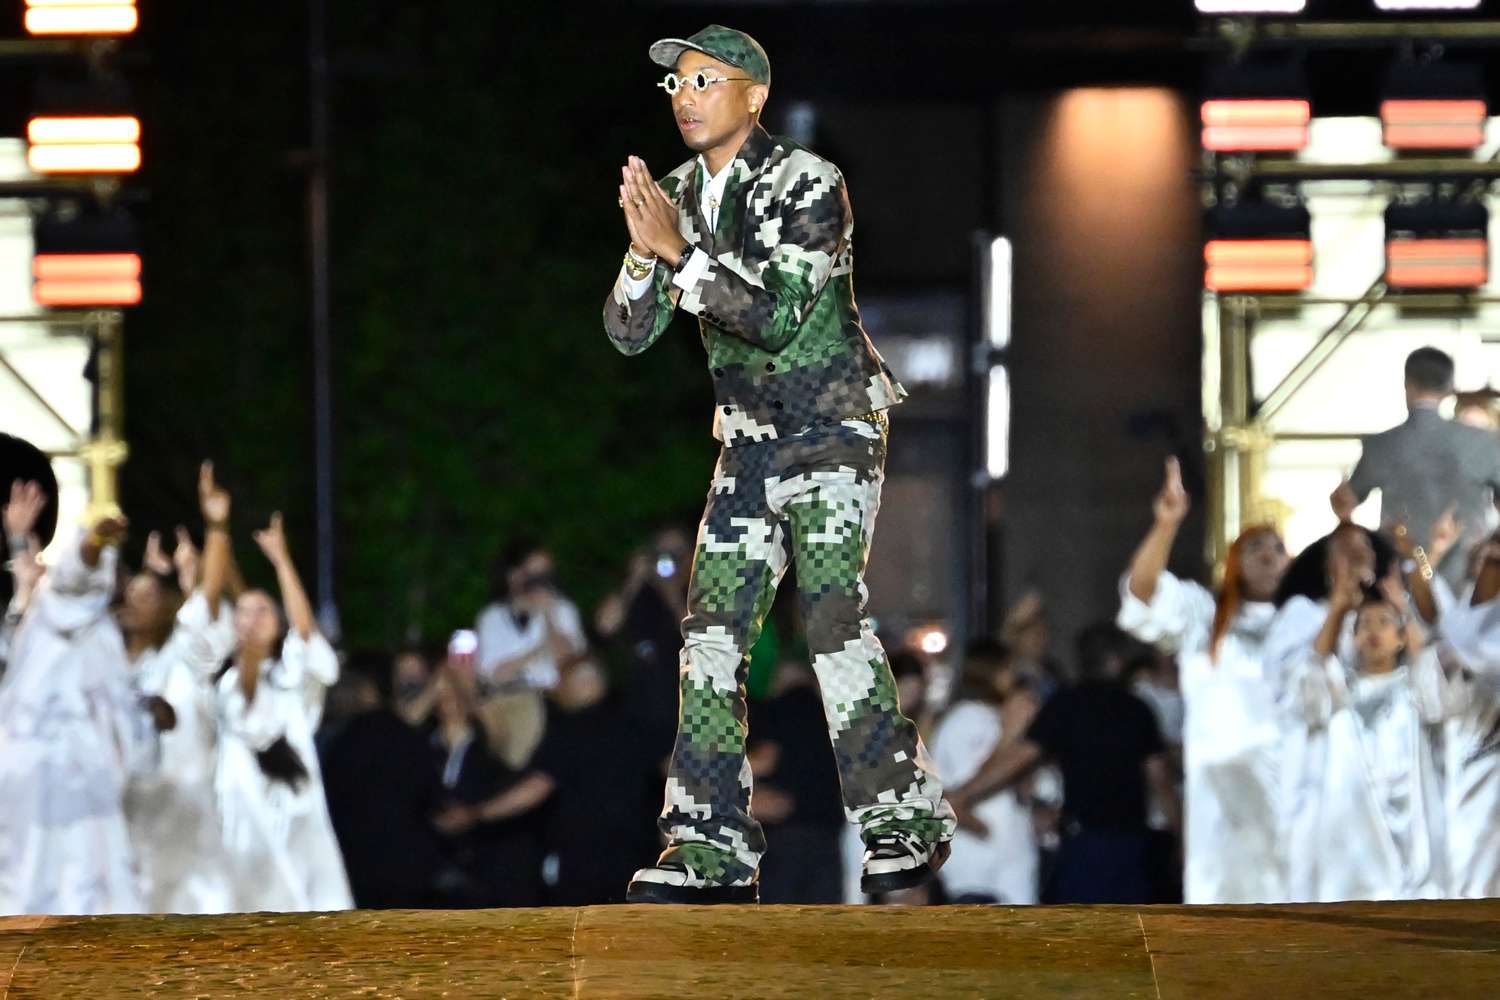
1258,125
1437,262
1433,124
1258,265
86,279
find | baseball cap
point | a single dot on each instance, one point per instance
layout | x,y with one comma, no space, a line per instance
724,44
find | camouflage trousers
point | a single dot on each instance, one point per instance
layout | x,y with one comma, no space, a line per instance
809,500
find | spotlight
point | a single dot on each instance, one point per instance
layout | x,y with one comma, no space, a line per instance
84,145
81,17
1428,4
1258,248
1440,105
86,259
1437,246
1256,107
1251,6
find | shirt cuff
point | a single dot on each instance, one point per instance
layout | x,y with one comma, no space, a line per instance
687,276
634,288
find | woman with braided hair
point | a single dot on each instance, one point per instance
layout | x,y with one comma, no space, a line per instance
1231,737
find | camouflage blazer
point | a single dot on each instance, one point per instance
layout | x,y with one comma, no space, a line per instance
775,306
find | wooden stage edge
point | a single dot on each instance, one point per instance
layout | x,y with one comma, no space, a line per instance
1374,951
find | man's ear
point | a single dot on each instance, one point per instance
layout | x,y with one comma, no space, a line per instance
758,96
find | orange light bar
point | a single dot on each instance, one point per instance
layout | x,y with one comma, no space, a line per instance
81,129
86,279
1433,124
49,17
1437,262
1255,124
1258,265
84,144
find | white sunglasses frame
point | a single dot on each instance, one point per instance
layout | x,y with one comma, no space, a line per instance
679,82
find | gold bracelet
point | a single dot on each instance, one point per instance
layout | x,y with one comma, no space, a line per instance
636,269
1424,567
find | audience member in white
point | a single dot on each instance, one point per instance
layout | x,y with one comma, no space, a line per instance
72,733
282,854
994,706
1232,729
173,813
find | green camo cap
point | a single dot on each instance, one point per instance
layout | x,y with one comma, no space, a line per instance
725,44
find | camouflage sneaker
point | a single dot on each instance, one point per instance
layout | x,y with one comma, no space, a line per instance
676,879
900,859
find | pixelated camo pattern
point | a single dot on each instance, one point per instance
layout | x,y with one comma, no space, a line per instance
775,306
809,499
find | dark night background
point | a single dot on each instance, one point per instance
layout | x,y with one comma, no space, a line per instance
475,152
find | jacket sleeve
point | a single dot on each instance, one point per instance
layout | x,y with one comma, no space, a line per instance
767,303
634,324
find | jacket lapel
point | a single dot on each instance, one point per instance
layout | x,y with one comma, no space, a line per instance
691,209
748,164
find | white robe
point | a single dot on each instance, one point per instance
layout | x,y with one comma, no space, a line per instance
1004,863
1380,812
282,851
1473,748
72,732
1231,742
173,813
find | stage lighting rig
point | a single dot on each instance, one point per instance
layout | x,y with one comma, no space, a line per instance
86,257
1256,105
1437,245
1258,246
1434,105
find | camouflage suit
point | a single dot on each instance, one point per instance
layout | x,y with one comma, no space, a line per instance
801,395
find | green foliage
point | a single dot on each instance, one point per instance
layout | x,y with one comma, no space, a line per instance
475,235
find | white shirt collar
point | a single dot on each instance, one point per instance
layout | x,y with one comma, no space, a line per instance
712,193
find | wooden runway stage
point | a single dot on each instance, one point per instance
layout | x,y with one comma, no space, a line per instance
1446,950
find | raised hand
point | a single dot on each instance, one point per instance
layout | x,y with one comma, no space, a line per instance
110,530
1343,500
650,215
1444,535
186,559
272,541
1172,503
155,558
1345,588
27,501
28,569
213,499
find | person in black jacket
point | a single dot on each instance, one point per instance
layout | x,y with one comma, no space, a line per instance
381,794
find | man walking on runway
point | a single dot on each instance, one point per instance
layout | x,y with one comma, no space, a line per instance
752,236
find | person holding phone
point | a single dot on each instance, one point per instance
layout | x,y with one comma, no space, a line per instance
524,639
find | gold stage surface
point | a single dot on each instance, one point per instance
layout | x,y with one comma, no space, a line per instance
1446,950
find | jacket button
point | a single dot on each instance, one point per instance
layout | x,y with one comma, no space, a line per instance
777,404
728,410
770,366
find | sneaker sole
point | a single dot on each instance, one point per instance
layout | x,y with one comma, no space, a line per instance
656,892
896,881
